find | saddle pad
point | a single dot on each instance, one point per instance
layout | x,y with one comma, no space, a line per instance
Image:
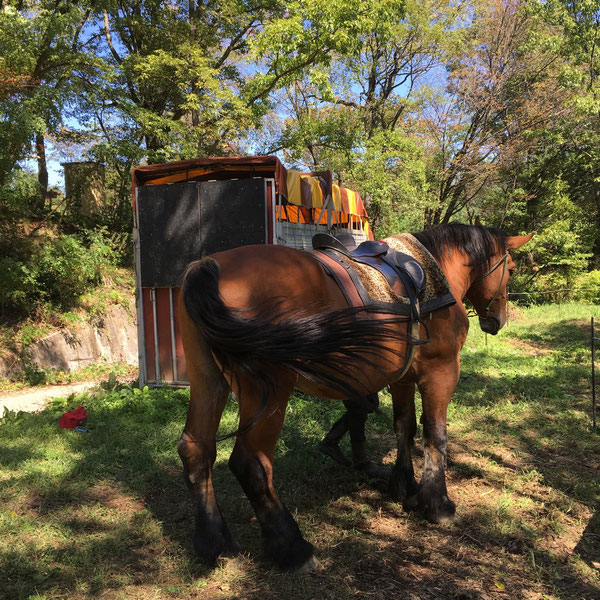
437,294
377,285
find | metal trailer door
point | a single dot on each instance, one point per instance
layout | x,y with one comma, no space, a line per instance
176,224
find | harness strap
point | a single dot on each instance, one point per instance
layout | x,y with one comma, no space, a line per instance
357,296
506,255
352,288
504,259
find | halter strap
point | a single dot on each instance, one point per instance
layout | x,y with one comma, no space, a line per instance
496,265
504,260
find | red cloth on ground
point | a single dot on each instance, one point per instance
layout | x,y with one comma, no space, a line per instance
70,420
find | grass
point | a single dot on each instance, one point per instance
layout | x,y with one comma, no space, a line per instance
39,377
107,515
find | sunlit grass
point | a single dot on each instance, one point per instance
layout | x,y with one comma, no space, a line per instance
107,514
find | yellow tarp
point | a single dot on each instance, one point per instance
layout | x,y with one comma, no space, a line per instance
295,184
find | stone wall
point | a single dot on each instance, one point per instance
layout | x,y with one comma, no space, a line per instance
110,338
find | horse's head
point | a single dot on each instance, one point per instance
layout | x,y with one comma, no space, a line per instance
488,292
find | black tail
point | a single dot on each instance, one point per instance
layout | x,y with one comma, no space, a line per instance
328,348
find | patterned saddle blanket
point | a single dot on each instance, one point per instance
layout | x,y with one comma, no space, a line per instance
396,275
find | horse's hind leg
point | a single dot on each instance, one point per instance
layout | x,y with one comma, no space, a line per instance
197,449
354,421
357,418
252,464
330,444
403,485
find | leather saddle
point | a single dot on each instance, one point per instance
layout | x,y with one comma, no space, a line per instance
393,265
404,274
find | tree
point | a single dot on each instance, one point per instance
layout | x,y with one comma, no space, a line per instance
40,45
351,113
502,88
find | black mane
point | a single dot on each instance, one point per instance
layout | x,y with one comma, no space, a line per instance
479,243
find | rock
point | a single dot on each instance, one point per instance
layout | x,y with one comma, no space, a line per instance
113,338
11,366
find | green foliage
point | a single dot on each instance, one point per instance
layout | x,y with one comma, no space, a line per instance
30,332
586,287
433,111
39,52
19,193
391,174
54,270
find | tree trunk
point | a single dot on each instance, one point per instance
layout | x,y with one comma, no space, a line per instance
40,150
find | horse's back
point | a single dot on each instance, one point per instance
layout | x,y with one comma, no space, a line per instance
251,275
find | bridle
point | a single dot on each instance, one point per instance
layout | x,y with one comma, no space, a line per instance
504,262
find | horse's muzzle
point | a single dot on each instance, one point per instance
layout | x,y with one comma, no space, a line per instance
490,325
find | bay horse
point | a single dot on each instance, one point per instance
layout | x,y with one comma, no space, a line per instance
263,320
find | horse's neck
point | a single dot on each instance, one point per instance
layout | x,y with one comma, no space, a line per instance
458,274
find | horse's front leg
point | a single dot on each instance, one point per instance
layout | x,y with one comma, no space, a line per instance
252,463
436,387
403,485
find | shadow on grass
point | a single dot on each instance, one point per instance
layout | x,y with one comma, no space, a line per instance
98,513
561,335
589,544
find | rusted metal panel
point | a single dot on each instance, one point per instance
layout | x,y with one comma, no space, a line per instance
270,197
149,340
163,327
180,356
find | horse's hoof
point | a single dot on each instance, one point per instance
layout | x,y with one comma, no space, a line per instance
447,511
411,503
370,469
210,549
312,564
334,452
402,487
290,557
231,550
438,512
209,553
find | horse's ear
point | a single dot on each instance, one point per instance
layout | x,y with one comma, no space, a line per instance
516,241
477,221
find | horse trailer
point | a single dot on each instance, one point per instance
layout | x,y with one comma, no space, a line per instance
186,210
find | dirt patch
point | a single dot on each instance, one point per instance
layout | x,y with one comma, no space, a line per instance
34,400
530,347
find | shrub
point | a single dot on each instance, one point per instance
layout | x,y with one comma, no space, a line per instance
19,193
55,271
586,287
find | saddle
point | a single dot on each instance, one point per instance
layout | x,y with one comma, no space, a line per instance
403,273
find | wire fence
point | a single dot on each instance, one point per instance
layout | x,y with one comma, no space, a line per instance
593,340
559,294
593,337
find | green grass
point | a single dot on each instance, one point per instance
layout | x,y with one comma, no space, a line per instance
107,514
40,377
